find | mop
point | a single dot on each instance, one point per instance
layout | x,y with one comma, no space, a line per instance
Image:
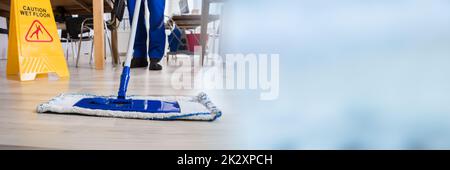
197,107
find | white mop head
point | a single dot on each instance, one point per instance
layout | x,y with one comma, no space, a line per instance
197,107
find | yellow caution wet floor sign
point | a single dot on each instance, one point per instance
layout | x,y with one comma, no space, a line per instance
34,47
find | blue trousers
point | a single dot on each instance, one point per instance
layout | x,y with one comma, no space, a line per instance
157,34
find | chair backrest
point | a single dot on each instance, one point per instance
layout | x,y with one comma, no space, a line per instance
116,14
119,9
73,25
60,13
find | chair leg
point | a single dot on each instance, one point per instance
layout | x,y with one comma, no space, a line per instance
73,46
67,50
79,51
91,54
109,44
108,39
110,47
167,59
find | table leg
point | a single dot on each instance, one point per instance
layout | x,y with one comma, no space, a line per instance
114,46
204,29
99,36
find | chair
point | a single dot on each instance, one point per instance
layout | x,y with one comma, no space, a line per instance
193,22
116,17
77,29
61,16
65,38
113,24
87,24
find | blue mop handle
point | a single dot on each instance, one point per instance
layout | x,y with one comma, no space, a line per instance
125,77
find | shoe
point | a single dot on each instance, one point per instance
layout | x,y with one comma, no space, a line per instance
138,62
154,64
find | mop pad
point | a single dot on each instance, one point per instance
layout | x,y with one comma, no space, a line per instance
197,107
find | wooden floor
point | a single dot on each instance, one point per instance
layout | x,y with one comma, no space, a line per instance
22,128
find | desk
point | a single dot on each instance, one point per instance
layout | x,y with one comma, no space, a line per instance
95,7
194,21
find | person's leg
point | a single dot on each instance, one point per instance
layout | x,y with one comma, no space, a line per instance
140,43
157,33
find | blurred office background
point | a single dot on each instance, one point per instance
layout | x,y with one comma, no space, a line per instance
370,74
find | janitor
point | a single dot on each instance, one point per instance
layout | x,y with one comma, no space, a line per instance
157,35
